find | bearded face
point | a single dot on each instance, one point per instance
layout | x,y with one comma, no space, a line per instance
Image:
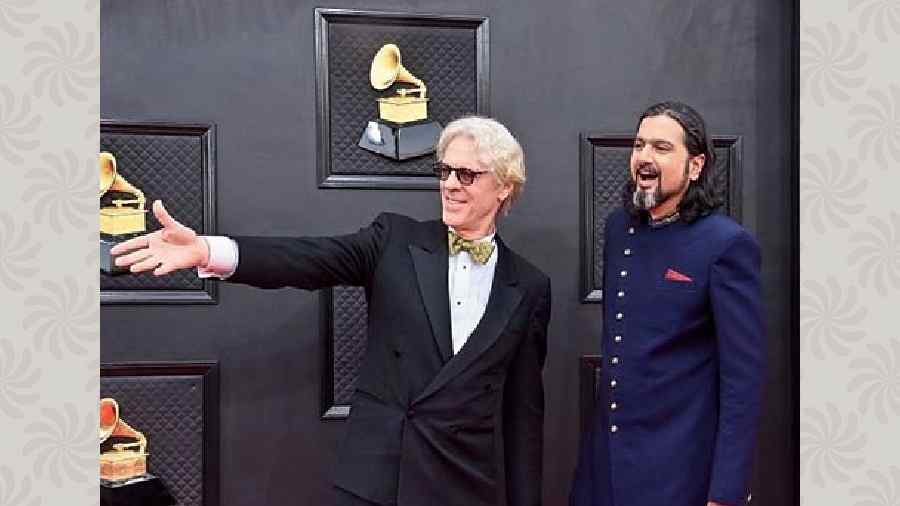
661,167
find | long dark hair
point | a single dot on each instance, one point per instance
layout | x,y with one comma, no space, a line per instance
702,196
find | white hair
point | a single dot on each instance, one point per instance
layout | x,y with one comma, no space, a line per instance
496,147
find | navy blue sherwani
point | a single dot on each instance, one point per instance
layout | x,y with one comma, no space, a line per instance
683,365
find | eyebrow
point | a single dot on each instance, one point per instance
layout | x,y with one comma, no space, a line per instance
463,168
654,141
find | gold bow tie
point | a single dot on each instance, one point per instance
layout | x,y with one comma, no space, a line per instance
479,251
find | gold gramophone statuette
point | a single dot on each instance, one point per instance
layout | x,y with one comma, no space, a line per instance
386,70
403,130
122,220
124,216
124,460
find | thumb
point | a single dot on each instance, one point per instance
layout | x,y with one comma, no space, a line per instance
163,216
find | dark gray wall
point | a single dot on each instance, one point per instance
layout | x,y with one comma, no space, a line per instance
557,69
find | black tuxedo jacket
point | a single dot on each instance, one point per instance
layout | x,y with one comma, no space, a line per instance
428,428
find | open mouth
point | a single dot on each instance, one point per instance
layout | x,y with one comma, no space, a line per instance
646,176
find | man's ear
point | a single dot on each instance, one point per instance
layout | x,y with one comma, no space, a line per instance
505,191
696,166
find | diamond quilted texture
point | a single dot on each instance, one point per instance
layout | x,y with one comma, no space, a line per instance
610,175
167,167
169,411
349,310
444,58
722,176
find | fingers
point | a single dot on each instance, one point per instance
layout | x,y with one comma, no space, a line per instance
131,244
144,260
150,262
165,219
133,257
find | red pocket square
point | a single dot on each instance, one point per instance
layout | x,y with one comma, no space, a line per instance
677,276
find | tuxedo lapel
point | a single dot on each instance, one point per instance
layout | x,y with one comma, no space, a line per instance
503,300
429,256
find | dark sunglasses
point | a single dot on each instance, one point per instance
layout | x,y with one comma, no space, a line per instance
463,175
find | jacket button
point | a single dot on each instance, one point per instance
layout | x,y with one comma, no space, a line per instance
617,339
620,294
630,230
397,353
612,384
623,273
627,252
619,316
613,406
615,360
614,429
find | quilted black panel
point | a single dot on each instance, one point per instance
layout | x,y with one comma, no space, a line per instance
607,170
169,411
723,176
610,174
167,167
443,58
349,310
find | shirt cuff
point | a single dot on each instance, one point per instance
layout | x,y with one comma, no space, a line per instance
223,257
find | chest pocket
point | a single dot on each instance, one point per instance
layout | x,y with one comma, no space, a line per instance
679,294
680,273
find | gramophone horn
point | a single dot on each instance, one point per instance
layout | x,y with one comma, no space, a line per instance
109,417
107,171
387,69
110,180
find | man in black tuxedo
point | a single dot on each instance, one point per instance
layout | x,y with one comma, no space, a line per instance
449,403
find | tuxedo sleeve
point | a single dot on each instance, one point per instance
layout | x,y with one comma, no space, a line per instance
737,312
312,263
524,410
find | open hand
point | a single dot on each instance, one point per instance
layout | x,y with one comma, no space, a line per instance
170,248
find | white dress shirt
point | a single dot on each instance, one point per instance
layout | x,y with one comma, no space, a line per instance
469,282
470,285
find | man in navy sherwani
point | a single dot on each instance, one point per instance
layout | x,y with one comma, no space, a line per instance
683,342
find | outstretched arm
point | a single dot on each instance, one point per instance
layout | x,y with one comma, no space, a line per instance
265,262
312,262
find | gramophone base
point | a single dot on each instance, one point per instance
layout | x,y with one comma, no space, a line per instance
402,141
107,259
145,490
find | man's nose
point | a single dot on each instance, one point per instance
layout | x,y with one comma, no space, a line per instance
643,154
